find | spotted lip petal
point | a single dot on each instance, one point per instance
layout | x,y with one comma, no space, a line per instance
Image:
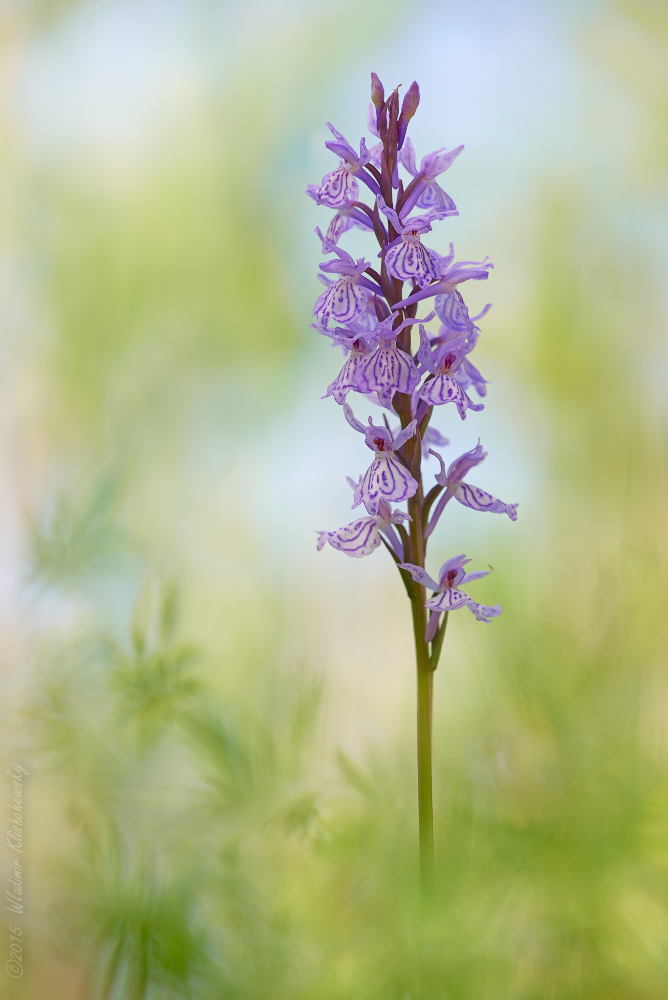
338,188
446,389
447,600
347,378
343,302
385,479
409,260
358,539
388,370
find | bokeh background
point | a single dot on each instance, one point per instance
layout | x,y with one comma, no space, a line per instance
218,720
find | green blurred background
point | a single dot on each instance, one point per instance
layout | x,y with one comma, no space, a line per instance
218,720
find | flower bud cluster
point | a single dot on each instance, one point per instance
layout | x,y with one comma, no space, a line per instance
394,359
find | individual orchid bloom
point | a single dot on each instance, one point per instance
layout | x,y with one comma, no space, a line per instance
406,258
448,596
451,275
462,338
388,369
362,537
470,496
346,218
426,192
387,478
347,298
340,187
355,342
443,363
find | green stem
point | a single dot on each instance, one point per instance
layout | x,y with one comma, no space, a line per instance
424,706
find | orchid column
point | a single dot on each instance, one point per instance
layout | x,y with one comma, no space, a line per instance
407,372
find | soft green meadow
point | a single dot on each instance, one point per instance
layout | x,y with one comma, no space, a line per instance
210,813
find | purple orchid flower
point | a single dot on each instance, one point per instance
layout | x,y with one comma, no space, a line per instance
347,298
340,187
427,193
451,275
345,219
388,369
443,362
362,537
450,598
387,478
469,496
353,340
406,258
452,310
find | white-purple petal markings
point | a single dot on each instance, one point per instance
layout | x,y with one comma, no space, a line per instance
387,478
469,496
362,537
448,596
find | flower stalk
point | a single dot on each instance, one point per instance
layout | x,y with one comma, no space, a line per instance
396,362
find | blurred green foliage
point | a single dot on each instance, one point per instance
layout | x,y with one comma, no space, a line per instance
205,845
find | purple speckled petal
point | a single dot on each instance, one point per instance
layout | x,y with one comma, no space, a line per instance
385,479
483,612
343,302
448,600
440,390
346,379
435,200
388,368
339,225
420,575
477,499
339,188
410,260
453,313
357,539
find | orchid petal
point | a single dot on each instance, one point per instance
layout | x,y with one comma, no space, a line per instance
353,421
403,436
448,600
483,612
477,499
432,626
357,539
420,575
385,479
